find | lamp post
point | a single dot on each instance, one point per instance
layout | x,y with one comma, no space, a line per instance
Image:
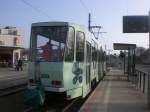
148,93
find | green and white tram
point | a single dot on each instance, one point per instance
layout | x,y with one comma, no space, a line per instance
65,58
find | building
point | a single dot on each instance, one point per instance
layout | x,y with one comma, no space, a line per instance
11,43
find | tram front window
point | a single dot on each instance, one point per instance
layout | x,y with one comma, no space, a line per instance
49,43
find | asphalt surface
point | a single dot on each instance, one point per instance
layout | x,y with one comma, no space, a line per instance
10,78
12,86
12,102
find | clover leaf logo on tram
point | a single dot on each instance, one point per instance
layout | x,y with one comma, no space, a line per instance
77,71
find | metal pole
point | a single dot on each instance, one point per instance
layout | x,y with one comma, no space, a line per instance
134,60
124,62
89,22
140,80
143,82
129,65
148,91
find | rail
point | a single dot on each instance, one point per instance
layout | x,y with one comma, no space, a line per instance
12,90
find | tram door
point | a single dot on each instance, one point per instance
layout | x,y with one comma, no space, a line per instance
88,63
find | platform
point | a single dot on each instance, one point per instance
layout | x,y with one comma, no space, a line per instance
115,94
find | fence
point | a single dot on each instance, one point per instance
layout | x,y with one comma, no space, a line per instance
140,79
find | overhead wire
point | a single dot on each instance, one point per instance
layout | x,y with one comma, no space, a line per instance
127,7
36,9
85,7
94,31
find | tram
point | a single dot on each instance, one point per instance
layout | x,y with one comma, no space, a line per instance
65,58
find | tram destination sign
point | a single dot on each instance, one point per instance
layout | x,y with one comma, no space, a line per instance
135,24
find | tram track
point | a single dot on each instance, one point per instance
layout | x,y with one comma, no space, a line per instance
12,98
56,104
12,90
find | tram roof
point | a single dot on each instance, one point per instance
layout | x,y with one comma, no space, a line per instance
123,46
55,23
59,23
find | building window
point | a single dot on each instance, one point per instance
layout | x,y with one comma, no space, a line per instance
9,32
16,41
14,33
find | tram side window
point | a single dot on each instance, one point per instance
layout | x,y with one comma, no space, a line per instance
93,53
80,46
99,56
69,53
96,52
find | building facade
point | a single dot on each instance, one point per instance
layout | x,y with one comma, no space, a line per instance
11,43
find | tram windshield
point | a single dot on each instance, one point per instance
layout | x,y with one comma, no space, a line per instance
48,43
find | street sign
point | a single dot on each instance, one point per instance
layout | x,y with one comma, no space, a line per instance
135,24
123,46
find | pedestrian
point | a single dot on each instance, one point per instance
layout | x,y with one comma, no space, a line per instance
16,65
20,65
9,63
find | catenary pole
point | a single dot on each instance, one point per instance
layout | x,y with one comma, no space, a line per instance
148,93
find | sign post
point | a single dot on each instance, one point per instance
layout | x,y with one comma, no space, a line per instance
139,24
148,91
135,24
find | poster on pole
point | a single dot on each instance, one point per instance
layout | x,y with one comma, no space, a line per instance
135,24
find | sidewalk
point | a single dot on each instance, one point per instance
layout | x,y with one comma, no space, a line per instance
115,94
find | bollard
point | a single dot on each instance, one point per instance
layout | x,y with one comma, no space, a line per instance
148,92
140,80
143,82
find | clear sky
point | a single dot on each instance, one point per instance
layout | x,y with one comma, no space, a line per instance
107,13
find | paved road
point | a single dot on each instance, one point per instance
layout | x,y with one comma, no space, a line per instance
12,103
9,77
12,96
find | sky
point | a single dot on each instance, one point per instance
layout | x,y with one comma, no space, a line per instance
106,13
